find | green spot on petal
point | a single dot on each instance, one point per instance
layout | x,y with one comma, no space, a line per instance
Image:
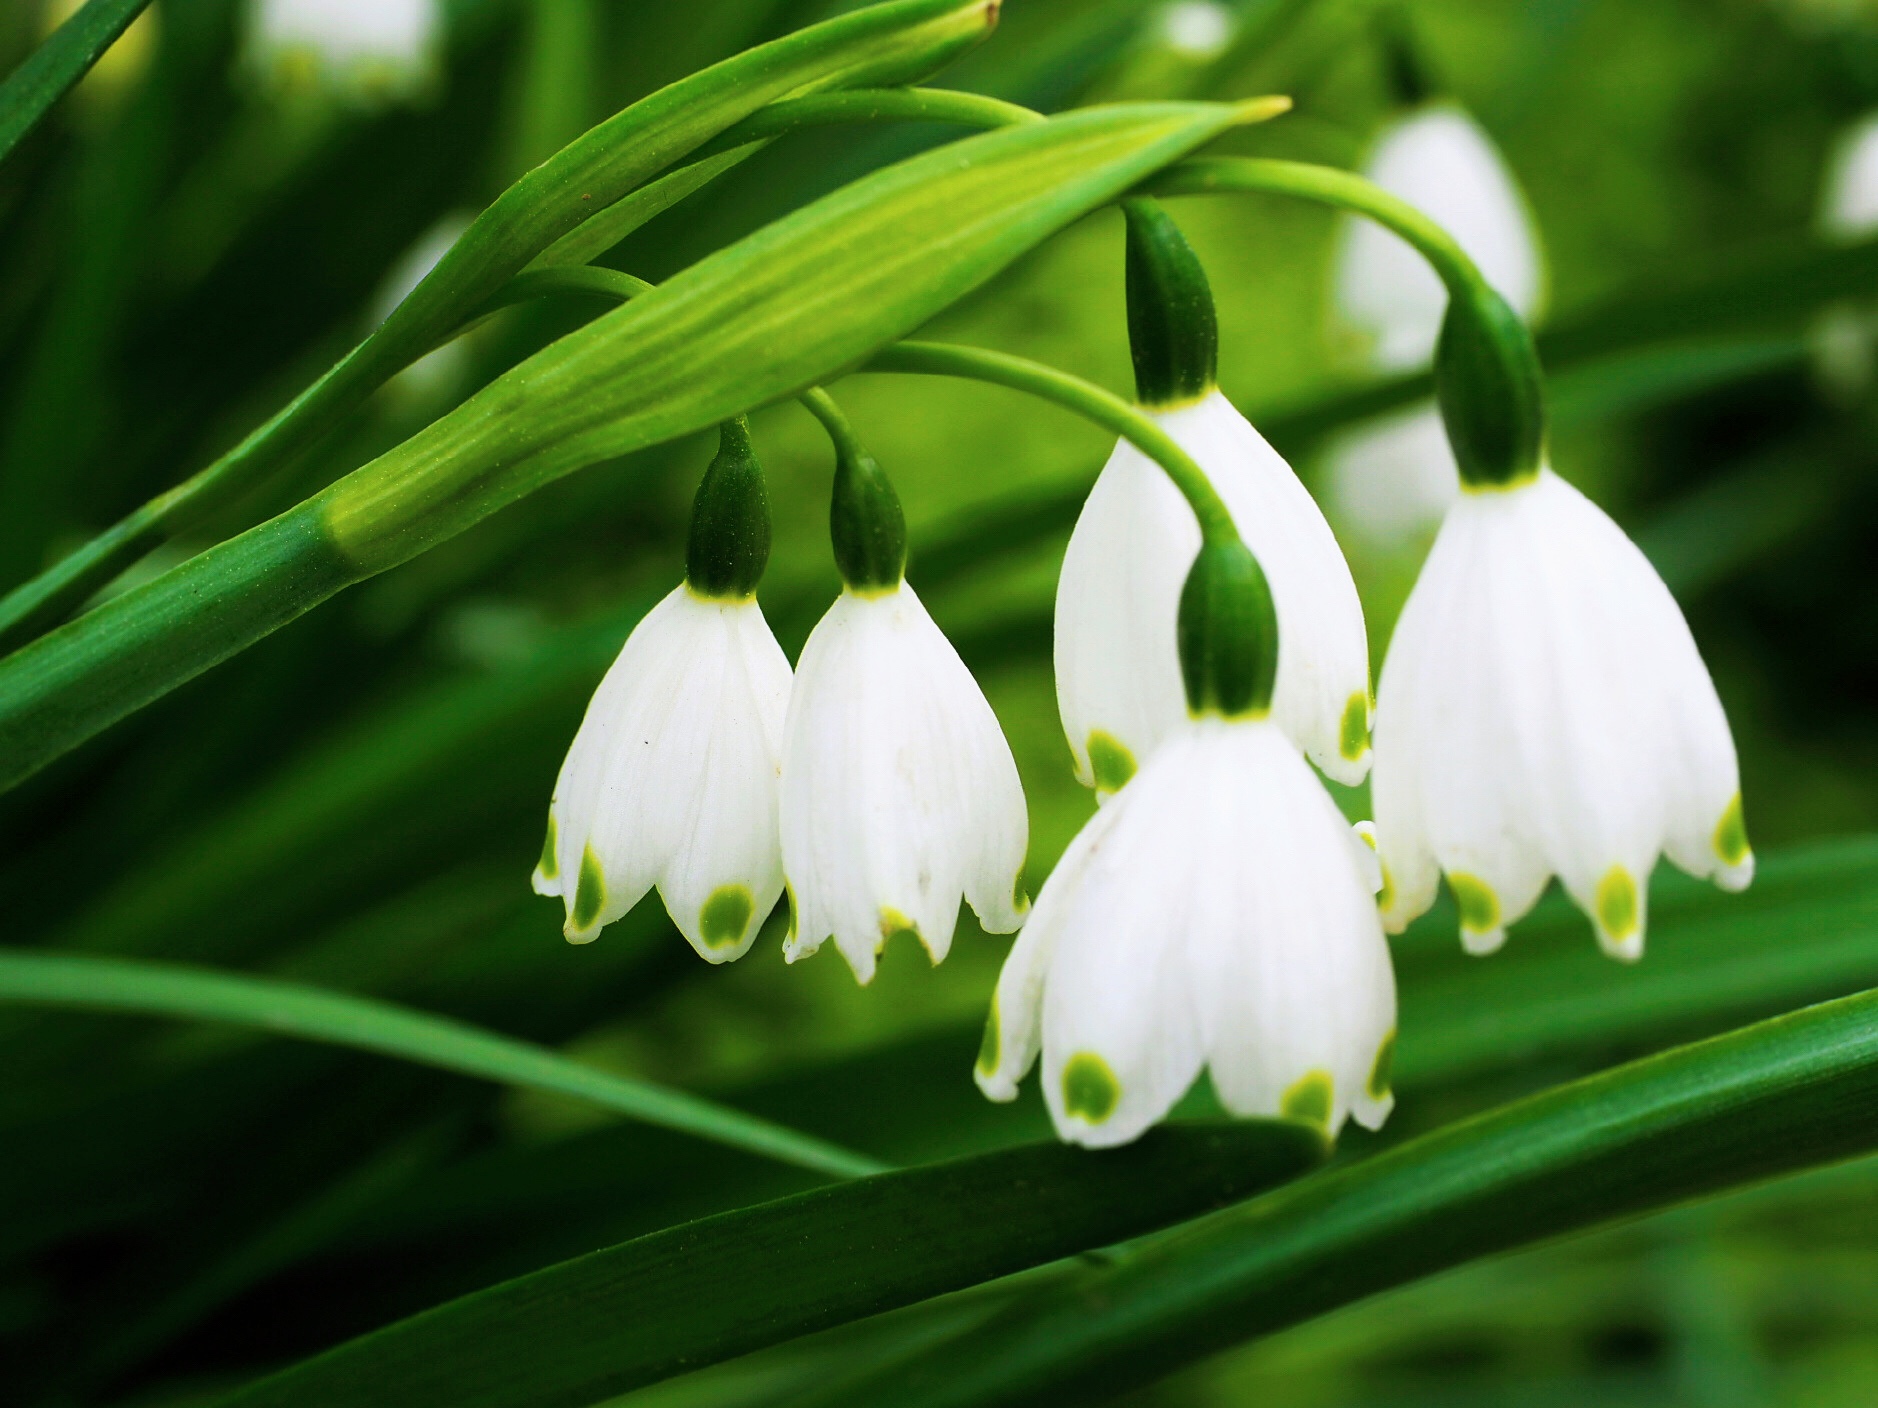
1110,763
1310,1100
1617,903
1353,736
1385,897
1090,1090
590,894
1479,906
1020,897
1731,835
991,1046
893,922
725,916
1383,1070
549,866
790,891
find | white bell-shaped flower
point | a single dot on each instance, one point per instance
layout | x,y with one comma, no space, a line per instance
1394,478
1848,206
360,47
1543,711
672,779
1117,672
899,793
1217,912
1439,160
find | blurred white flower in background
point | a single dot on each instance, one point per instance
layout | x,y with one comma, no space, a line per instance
432,378
363,49
1842,335
1391,479
1197,29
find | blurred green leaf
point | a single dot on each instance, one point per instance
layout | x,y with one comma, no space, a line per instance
50,70
725,1285
293,1009
1773,1098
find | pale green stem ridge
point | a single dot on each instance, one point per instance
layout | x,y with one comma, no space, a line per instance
365,1024
37,604
1327,186
1085,398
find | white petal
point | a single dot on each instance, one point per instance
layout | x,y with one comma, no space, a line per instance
365,43
1295,964
1544,711
1849,200
1118,683
899,794
1439,161
1321,699
1392,478
1117,667
725,873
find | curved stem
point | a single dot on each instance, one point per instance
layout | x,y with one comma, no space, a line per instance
42,601
1327,186
1072,393
313,1014
821,405
611,284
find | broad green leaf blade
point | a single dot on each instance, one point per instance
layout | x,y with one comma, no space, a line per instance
888,43
293,1009
50,71
782,309
1773,1098
725,1285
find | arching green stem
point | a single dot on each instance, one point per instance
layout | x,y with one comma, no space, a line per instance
1327,186
1072,393
40,602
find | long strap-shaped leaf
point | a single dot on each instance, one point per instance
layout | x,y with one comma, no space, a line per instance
575,1333
294,1009
780,310
1772,1098
50,70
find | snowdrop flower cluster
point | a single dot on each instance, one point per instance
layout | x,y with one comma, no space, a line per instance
876,779
359,48
1218,912
1393,477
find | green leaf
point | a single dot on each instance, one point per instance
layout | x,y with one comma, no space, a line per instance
780,310
56,65
573,1333
889,43
1774,1098
293,1009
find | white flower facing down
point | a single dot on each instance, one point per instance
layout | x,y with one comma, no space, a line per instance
672,779
1543,711
1218,912
1849,200
363,46
1440,161
1117,668
1394,478
899,793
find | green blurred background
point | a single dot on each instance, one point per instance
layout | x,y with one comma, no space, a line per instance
357,800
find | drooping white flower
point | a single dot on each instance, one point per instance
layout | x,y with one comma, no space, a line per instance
1849,201
672,779
1395,477
1117,669
1217,912
899,793
358,47
1543,711
1439,160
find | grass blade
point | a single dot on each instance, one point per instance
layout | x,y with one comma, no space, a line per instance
1777,1097
725,1285
51,70
293,1009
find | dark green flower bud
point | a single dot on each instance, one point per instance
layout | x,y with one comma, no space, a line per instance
729,545
1227,633
865,521
1491,390
1173,331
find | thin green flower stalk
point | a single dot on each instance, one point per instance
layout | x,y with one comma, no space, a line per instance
899,793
